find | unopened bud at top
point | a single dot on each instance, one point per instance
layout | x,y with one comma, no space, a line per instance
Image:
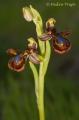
27,14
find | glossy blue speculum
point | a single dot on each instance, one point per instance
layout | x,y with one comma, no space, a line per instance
60,39
17,59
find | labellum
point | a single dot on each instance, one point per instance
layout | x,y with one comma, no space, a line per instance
17,63
60,44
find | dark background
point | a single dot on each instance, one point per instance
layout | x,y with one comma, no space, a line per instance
17,97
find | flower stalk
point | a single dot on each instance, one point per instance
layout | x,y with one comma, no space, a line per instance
39,76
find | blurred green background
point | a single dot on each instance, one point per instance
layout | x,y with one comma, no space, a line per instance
17,97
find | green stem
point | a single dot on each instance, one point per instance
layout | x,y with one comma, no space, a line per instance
42,72
39,88
35,73
41,93
47,56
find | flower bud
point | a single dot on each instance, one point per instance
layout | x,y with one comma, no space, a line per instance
27,14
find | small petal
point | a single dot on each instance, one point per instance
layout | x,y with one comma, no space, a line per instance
11,52
65,33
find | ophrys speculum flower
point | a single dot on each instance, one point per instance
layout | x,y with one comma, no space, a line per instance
18,59
60,43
